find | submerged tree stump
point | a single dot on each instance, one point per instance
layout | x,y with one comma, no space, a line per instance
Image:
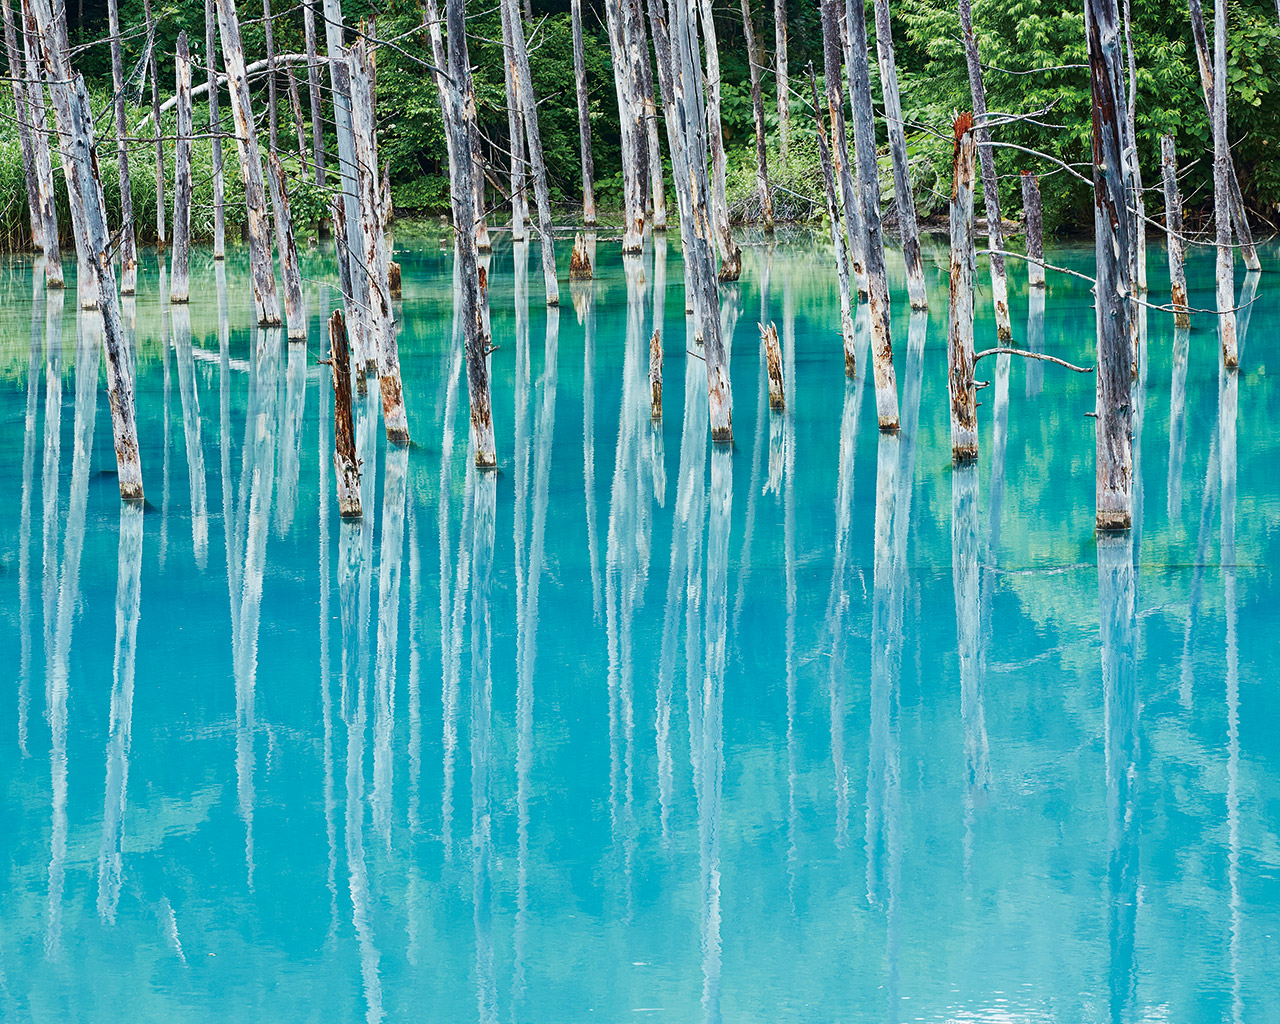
1173,229
579,261
1034,219
393,279
346,464
960,382
655,376
773,364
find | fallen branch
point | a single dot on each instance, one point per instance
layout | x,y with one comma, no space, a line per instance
1031,355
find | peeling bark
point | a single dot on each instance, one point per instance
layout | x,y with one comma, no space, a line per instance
655,376
290,273
43,161
960,383
1173,228
180,275
346,464
773,362
579,261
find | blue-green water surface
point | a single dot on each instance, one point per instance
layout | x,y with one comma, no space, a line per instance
813,728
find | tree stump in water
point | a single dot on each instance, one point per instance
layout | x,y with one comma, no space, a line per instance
655,376
579,262
1034,219
393,278
773,361
345,463
960,383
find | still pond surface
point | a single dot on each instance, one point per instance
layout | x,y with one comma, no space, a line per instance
816,728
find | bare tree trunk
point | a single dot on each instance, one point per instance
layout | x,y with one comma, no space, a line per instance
84,189
837,237
529,110
869,184
264,279
1226,291
40,150
18,82
658,198
459,118
773,362
631,121
346,464
1033,218
313,89
155,124
904,200
584,118
180,277
273,119
834,81
780,73
655,376
290,273
755,61
1173,228
515,130
215,130
960,383
691,164
1114,450
1239,219
580,268
1139,270
990,188
376,257
730,254
660,32
295,105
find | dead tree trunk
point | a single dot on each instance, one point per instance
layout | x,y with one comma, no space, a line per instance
84,191
580,268
18,83
655,376
1033,219
990,188
773,362
290,273
960,383
780,74
313,90
904,200
837,237
264,278
692,175
459,118
1114,448
295,106
376,258
834,81
180,276
1239,219
584,118
730,254
529,111
1139,270
1226,291
869,185
155,124
631,122
1173,228
273,120
215,132
40,150
755,61
128,244
660,31
515,130
346,464
658,197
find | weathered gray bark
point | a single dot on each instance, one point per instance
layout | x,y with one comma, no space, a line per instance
658,198
459,117
584,117
1139,241
660,32
376,257
180,278
155,124
264,279
1033,221
75,126
869,187
1114,448
904,200
1173,229
515,131
990,188
215,131
295,105
273,119
773,362
626,80
346,464
1239,219
313,90
730,254
780,74
655,376
128,243
691,168
18,83
48,213
580,268
755,61
1226,290
834,82
290,273
960,383
837,236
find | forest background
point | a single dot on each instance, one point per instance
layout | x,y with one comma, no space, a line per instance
1033,52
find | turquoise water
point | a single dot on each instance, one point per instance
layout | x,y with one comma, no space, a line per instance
818,728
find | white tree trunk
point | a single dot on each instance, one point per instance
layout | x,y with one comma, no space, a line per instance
584,117
837,237
295,312
960,383
215,132
1226,290
180,276
1173,229
128,243
48,213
